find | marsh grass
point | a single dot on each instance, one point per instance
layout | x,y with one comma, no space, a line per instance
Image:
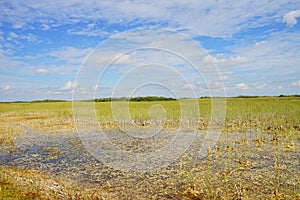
272,114
42,117
255,158
240,168
18,183
8,132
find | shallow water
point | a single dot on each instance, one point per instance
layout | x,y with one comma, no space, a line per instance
64,155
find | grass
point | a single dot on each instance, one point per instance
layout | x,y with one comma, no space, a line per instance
249,167
40,116
271,113
268,113
18,183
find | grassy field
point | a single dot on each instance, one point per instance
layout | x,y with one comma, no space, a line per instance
233,170
267,113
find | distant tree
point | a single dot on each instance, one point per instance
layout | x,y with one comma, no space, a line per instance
145,98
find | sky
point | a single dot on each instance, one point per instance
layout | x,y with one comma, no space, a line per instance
134,48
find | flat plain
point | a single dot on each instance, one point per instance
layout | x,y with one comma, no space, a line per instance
256,157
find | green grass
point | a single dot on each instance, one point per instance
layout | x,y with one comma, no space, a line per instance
270,113
273,114
52,109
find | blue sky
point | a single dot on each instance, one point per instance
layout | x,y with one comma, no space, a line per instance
254,44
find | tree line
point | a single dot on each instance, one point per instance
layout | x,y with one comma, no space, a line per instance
146,98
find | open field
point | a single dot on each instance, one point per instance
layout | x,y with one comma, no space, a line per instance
256,157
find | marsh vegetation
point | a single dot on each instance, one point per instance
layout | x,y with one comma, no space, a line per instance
256,157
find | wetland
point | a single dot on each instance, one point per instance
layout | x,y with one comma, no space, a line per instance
256,156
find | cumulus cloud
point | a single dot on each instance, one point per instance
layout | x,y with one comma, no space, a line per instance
6,87
242,86
70,54
260,43
296,83
29,38
45,27
274,58
291,17
68,86
261,86
18,25
41,71
12,35
189,86
116,58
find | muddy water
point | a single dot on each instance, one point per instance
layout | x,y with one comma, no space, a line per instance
61,155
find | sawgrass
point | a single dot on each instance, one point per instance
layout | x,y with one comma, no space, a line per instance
279,117
281,114
18,183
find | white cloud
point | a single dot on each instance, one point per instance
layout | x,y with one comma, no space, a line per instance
242,86
260,43
189,86
29,37
223,60
6,87
13,35
41,71
66,89
274,59
90,30
214,18
45,27
115,57
279,87
70,54
68,86
290,17
225,78
19,25
261,86
296,83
